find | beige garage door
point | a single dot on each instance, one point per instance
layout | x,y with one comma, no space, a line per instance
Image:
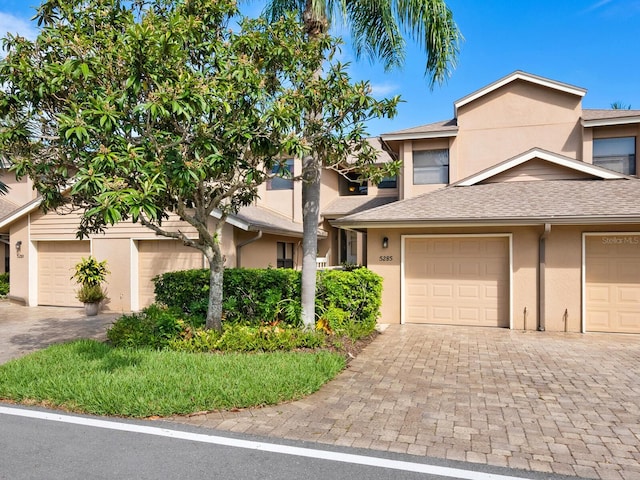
612,283
457,281
160,256
56,261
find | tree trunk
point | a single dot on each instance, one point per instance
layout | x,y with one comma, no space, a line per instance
310,215
216,279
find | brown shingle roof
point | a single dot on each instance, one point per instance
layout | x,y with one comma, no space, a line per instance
512,201
260,218
442,126
594,114
354,204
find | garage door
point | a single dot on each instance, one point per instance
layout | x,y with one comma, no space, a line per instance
612,283
160,256
457,281
56,262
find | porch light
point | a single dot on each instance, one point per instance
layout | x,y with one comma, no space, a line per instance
385,242
18,247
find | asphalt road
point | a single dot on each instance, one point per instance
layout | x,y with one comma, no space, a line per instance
39,444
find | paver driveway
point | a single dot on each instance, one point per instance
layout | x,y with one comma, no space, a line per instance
25,329
551,402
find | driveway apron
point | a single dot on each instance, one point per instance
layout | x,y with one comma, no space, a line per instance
549,402
27,329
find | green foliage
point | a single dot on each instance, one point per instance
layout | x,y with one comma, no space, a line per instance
92,377
249,295
258,296
155,327
4,284
90,293
89,272
357,292
244,338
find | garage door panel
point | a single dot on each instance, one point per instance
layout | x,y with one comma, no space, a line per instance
56,263
464,287
160,256
612,283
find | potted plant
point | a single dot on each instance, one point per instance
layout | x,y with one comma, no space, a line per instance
90,274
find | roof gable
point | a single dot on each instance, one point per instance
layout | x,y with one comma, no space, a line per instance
538,153
518,75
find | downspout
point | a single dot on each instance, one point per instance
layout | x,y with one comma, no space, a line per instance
541,276
245,243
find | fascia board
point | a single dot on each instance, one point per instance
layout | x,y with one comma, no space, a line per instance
24,210
524,222
418,135
608,122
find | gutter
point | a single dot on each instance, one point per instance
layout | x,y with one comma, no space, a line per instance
243,244
542,259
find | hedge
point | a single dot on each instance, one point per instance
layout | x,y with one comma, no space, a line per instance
254,296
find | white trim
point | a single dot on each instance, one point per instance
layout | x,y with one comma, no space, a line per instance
403,238
519,75
32,267
606,122
387,137
24,210
583,286
134,279
543,155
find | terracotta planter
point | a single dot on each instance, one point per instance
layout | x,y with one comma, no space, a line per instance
91,309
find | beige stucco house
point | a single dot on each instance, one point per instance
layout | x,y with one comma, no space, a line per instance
522,211
40,249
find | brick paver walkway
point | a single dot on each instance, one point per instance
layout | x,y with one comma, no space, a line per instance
549,402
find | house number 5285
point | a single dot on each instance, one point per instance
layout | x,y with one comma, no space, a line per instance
386,258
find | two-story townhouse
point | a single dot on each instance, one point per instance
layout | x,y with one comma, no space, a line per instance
40,249
522,211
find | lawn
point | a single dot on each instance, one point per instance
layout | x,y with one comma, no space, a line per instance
92,377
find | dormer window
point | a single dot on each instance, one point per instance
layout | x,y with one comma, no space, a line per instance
431,166
617,154
350,184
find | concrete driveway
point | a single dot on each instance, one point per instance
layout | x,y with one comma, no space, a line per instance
26,329
549,402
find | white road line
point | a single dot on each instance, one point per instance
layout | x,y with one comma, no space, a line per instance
262,446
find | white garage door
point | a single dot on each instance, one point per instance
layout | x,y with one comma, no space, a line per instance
457,281
160,256
56,262
612,283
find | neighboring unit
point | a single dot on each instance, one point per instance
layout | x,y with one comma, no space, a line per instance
523,211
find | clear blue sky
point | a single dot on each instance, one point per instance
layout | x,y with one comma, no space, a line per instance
591,44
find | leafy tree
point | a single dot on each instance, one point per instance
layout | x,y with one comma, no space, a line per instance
376,31
132,110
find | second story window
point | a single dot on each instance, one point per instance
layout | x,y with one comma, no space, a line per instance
430,166
350,184
283,181
617,154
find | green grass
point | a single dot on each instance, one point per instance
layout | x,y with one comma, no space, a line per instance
92,377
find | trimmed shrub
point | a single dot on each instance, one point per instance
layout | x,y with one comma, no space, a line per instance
4,284
155,327
350,300
250,296
259,296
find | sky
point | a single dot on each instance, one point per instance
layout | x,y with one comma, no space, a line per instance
592,44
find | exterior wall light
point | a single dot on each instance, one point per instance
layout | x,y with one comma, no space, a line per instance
385,242
19,249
